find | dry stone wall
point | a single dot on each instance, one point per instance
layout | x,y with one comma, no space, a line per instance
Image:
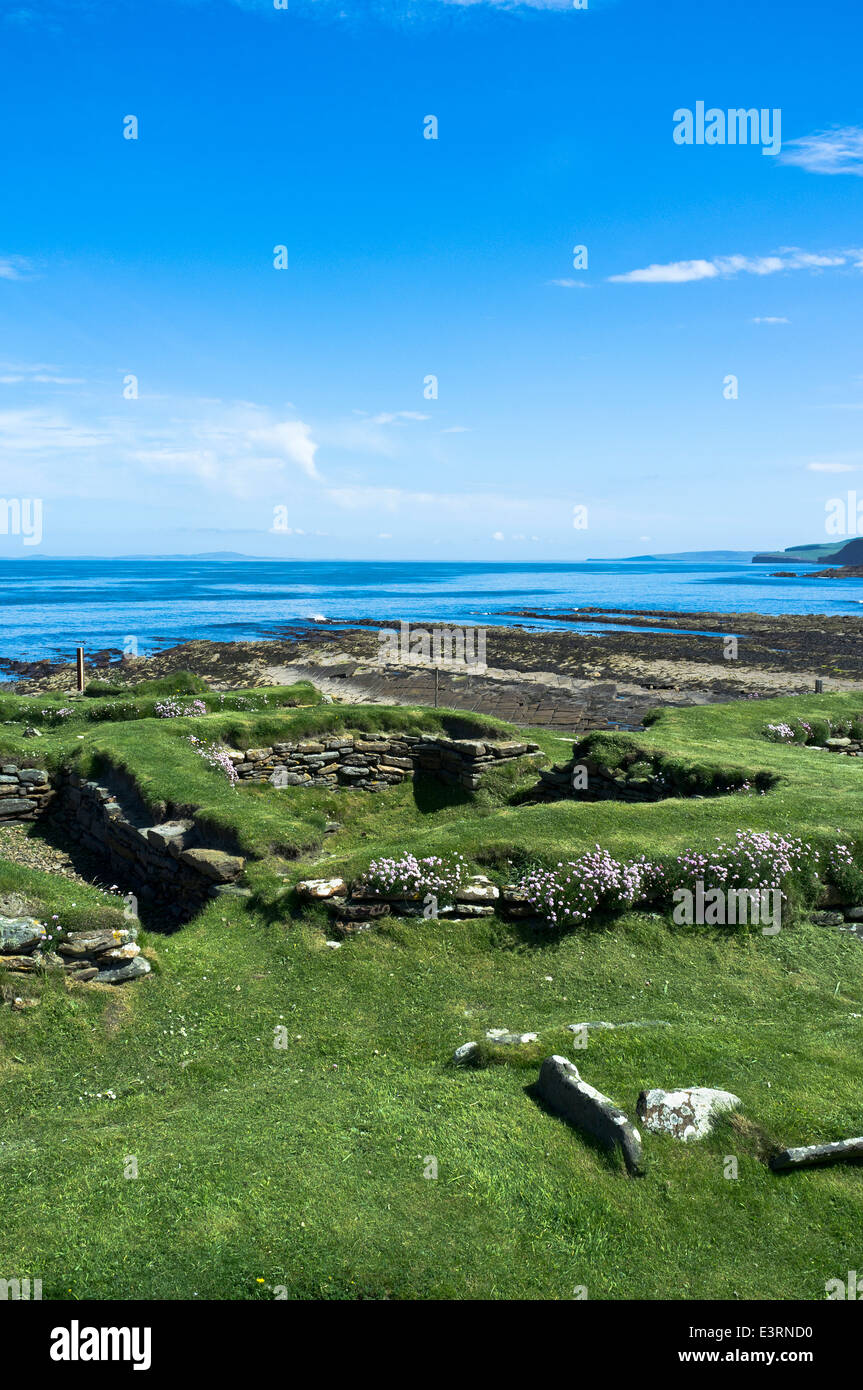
164,865
375,761
25,792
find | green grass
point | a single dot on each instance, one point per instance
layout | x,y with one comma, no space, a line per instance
304,1168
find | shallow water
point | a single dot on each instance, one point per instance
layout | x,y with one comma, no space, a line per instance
48,606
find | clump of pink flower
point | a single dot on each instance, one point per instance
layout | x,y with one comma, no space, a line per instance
780,733
574,890
411,877
172,709
216,756
756,859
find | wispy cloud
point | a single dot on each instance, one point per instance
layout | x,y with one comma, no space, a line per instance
722,267
831,467
827,151
40,379
13,267
568,284
770,319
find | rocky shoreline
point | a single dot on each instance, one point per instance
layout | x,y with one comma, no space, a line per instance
567,678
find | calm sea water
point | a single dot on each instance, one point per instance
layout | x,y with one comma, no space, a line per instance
48,606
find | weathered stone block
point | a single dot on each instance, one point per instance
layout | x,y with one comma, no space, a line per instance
562,1088
686,1114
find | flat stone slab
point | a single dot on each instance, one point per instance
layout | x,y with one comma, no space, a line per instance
171,835
94,943
818,1155
20,965
687,1114
137,967
214,864
562,1088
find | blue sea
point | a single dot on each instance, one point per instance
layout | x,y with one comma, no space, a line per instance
49,606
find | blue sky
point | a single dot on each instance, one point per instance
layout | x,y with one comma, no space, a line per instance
303,388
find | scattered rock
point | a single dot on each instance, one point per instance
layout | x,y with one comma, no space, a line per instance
30,732
465,1052
687,1114
638,1023
817,1155
562,1088
504,1038
828,919
345,929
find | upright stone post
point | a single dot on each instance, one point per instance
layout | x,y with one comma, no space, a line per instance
79,662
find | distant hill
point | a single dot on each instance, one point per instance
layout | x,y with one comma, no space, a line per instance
801,554
850,554
692,555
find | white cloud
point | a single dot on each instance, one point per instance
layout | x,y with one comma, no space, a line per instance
568,284
681,272
771,320
392,417
831,468
292,439
456,429
827,152
674,273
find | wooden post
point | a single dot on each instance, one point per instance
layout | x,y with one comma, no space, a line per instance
436,674
79,662
819,687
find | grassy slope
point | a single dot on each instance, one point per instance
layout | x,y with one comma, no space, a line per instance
305,1167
